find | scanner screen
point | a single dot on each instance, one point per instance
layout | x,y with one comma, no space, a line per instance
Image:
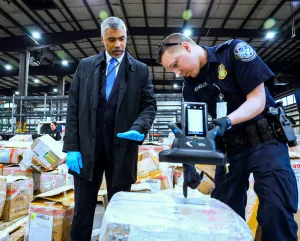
195,120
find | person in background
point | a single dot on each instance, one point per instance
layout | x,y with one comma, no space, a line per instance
54,133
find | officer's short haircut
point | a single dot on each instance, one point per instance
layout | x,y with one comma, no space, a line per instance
175,39
112,22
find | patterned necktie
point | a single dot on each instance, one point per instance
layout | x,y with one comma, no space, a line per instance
111,71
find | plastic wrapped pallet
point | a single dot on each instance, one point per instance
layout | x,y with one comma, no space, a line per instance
157,217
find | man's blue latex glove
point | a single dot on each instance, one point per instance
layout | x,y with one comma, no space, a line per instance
74,161
131,135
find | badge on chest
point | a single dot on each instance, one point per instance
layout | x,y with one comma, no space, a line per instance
222,72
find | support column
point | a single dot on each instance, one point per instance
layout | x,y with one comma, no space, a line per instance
297,92
60,92
23,73
60,85
23,89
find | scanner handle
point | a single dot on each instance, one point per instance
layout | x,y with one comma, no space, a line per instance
213,132
176,130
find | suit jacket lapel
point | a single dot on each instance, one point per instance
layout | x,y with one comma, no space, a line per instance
95,74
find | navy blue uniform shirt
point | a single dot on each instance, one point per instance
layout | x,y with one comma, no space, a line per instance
235,69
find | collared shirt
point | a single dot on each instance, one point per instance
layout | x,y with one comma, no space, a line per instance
108,57
233,70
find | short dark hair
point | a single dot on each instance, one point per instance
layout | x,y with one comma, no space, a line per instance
55,123
170,42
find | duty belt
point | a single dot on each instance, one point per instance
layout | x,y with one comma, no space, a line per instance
255,134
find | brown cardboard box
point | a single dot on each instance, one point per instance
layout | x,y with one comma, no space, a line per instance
47,153
19,194
297,219
157,175
151,146
103,183
2,194
206,186
54,179
11,155
209,170
148,161
58,203
17,235
1,169
177,174
15,170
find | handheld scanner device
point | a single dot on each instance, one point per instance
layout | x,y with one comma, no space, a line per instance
194,119
193,144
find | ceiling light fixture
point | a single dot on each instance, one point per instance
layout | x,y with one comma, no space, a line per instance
187,32
270,35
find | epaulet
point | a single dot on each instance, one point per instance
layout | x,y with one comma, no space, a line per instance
227,43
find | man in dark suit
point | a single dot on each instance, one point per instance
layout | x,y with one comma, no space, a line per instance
111,107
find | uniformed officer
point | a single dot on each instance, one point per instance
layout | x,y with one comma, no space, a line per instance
230,79
54,133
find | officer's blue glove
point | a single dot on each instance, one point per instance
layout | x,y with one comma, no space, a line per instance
191,178
224,123
74,161
131,135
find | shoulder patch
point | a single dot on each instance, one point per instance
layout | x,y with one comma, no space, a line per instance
244,52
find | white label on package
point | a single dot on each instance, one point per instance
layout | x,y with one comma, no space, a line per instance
40,227
40,150
153,183
296,168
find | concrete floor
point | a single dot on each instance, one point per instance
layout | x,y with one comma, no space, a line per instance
98,217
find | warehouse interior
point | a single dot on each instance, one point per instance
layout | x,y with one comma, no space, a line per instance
41,45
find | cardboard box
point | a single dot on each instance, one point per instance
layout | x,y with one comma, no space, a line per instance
148,161
19,193
297,219
1,169
295,163
27,138
47,152
209,170
103,183
17,235
177,174
206,186
13,230
58,205
11,155
156,175
252,207
15,170
2,194
151,146
54,179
